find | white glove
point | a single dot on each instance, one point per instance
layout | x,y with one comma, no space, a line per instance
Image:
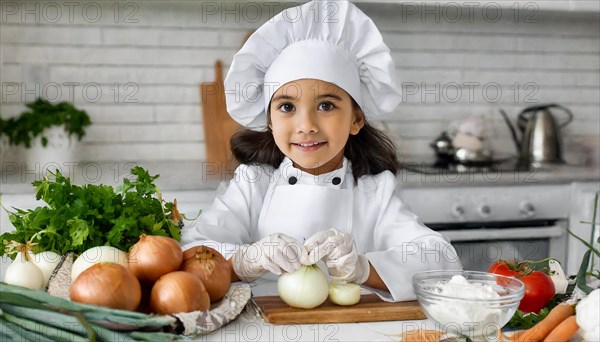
276,253
339,253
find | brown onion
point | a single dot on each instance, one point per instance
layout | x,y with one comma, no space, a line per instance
211,267
178,292
107,284
154,256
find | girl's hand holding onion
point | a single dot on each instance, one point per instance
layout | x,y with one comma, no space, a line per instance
307,287
338,251
276,253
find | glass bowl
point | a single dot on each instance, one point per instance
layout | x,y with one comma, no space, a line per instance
476,307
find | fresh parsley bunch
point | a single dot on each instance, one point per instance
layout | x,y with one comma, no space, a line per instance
77,218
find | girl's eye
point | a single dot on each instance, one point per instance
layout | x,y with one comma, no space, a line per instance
326,106
286,107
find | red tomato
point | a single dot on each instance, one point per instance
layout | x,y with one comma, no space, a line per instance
501,269
539,288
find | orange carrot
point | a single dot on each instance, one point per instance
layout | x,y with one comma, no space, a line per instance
421,336
564,331
543,328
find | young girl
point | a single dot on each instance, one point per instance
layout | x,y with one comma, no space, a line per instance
316,181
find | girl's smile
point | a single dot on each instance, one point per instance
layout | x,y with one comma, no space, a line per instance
311,121
309,146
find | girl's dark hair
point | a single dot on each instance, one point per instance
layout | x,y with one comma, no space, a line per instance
256,147
371,151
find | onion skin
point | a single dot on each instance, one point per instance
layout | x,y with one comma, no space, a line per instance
178,292
107,284
211,267
344,294
154,256
305,288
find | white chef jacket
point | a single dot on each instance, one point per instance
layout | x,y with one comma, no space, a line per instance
261,200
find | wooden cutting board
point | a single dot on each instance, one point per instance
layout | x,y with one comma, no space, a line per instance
369,309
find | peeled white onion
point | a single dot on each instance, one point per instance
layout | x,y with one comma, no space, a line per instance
22,272
46,262
344,293
304,288
96,255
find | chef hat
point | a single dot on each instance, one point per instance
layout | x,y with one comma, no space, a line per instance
332,41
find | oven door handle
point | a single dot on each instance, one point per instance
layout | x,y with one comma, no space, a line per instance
504,233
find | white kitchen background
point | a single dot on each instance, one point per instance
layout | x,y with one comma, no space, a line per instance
148,58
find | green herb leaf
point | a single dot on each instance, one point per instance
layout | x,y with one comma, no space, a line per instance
581,274
79,217
523,321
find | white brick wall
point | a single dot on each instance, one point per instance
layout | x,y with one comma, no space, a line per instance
148,59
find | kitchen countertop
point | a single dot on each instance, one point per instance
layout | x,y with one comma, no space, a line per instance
199,175
249,327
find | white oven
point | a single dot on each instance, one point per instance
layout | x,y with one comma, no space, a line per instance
485,223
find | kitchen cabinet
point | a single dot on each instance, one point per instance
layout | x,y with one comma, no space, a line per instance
581,209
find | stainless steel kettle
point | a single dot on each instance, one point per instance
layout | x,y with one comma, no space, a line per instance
540,134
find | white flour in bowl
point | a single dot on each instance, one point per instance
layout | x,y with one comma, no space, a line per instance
462,316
